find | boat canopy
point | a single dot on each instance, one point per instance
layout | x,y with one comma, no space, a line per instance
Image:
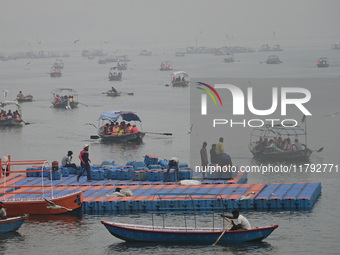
114,115
180,73
5,103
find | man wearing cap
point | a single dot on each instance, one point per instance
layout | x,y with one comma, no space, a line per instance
66,161
85,163
3,214
242,222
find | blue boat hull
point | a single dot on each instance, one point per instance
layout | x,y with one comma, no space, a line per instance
11,224
123,138
177,235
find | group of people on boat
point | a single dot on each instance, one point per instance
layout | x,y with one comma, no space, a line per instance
119,129
10,115
277,144
59,100
178,79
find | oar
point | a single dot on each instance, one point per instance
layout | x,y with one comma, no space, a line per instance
94,137
129,93
319,150
83,104
26,123
155,133
222,234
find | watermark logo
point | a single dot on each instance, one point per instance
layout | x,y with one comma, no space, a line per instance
204,97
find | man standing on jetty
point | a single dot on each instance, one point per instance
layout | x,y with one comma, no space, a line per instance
85,163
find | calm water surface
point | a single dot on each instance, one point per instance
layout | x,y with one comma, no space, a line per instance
52,132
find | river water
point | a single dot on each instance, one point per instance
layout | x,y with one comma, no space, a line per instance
52,132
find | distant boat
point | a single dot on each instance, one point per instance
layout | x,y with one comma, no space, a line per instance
322,62
336,46
28,98
267,48
273,59
64,98
122,66
55,72
165,66
179,54
229,58
12,224
113,75
113,92
13,120
146,52
180,79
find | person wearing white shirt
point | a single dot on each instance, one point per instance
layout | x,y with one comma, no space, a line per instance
241,224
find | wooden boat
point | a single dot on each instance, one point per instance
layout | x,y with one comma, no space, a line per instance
336,46
12,224
142,233
55,72
265,140
38,205
28,98
17,200
229,58
180,79
165,66
113,92
146,52
180,54
58,64
114,76
273,59
64,98
267,48
322,62
109,117
11,121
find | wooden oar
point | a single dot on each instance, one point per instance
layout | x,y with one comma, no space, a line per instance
222,234
319,150
155,133
83,104
94,137
129,93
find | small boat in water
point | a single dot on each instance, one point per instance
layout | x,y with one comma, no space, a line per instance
113,92
267,48
107,131
165,66
18,201
12,224
55,72
21,98
322,62
229,58
278,143
180,79
146,52
113,75
9,118
142,233
273,59
64,98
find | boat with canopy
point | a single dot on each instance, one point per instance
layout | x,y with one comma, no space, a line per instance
13,119
180,79
108,131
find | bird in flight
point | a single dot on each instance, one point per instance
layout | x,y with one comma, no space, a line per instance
76,41
54,206
5,92
189,132
332,115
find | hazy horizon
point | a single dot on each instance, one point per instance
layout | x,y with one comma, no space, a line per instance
48,25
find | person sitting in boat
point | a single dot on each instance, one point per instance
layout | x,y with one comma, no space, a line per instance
128,128
107,129
57,99
3,115
20,95
287,146
297,146
113,90
134,129
16,115
121,128
3,213
241,224
183,79
272,147
9,114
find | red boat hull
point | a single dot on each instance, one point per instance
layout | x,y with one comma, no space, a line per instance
20,206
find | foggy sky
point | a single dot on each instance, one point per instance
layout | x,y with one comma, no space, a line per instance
173,23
